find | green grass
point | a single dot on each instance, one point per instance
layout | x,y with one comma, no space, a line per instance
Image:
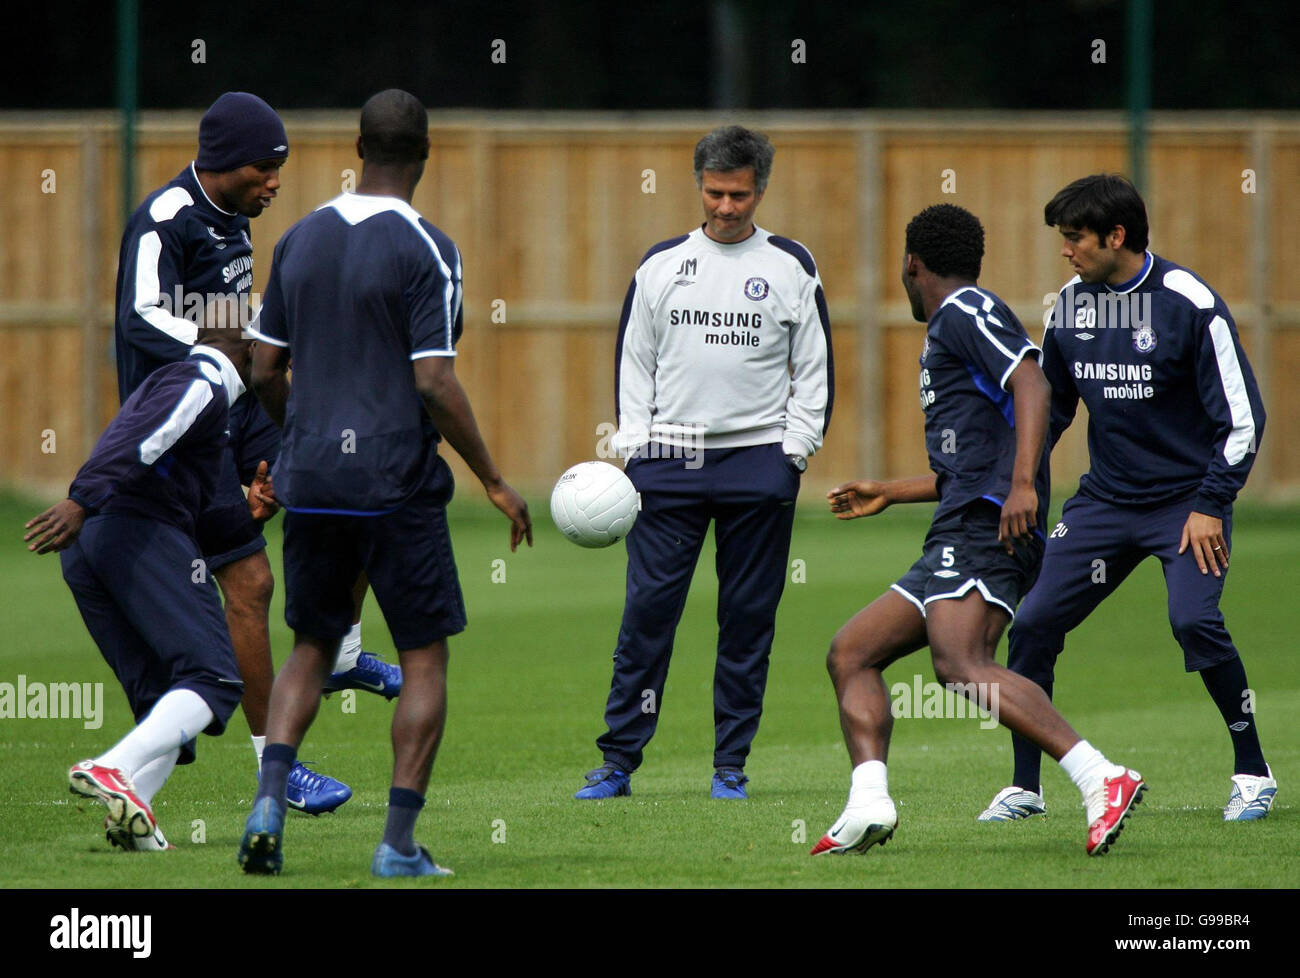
528,684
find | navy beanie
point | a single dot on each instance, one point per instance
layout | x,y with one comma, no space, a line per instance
237,130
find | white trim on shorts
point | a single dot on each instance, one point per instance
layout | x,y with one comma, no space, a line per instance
961,593
920,606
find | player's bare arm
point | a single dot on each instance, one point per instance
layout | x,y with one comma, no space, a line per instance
867,497
448,406
271,379
56,528
1031,395
1204,534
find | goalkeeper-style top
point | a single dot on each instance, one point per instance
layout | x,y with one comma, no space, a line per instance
723,346
1173,407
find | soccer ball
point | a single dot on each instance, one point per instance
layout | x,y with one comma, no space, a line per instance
594,504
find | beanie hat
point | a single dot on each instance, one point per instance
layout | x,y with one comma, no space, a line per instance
237,130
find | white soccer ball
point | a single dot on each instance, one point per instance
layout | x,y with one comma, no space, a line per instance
594,504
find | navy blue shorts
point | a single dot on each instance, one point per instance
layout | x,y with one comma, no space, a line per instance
406,556
961,552
226,531
152,608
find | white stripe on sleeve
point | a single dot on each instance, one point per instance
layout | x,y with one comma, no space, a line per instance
182,417
1234,389
147,293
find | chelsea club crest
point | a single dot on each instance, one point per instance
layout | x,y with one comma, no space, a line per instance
756,289
1144,339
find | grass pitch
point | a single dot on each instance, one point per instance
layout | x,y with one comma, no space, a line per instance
528,684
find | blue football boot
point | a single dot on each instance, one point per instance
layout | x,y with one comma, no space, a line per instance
370,673
312,793
260,850
389,862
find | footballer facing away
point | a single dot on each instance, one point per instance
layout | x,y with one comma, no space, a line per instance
365,297
986,409
1174,421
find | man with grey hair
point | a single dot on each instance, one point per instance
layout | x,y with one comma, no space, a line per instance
723,384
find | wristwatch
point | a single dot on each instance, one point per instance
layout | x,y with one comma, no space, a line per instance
798,461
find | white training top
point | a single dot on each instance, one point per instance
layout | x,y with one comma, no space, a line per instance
725,345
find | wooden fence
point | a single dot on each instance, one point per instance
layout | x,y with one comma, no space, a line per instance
552,213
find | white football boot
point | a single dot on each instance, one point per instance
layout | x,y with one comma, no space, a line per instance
1012,804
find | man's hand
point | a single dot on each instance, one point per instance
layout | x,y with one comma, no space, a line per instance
1019,517
56,528
1205,536
262,503
512,504
853,499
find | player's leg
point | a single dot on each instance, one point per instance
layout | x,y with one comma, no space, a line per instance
1089,553
965,616
884,631
412,570
889,628
321,563
169,645
1198,625
964,633
662,550
247,586
754,491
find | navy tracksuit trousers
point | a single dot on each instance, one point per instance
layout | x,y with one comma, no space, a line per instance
748,493
1093,548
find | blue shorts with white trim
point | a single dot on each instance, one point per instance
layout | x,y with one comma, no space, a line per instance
962,552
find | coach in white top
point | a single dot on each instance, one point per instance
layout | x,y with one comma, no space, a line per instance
724,384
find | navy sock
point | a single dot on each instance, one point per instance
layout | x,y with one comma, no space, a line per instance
1028,758
277,761
1228,687
403,809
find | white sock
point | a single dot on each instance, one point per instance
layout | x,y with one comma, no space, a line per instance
179,716
1086,766
259,743
870,783
349,650
153,775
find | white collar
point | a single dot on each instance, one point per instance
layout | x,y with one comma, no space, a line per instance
355,208
205,193
230,378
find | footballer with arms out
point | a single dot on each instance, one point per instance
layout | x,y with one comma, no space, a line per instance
986,408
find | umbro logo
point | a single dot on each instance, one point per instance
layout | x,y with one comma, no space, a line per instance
221,241
280,149
947,573
1084,336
